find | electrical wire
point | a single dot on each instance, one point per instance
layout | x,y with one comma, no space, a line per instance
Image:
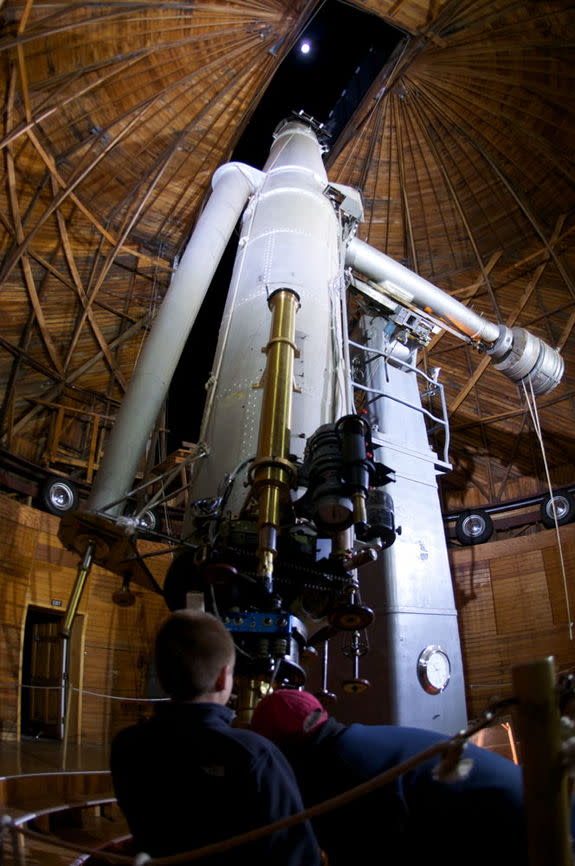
532,406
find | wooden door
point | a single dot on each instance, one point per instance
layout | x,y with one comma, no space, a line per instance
43,673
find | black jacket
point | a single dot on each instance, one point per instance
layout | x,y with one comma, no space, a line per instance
186,778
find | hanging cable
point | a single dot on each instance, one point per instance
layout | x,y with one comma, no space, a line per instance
532,406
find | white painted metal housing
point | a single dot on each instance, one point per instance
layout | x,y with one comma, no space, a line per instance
290,238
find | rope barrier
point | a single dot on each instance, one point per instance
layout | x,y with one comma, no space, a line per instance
141,700
450,750
260,832
119,697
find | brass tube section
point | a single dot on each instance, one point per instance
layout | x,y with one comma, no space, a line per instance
78,589
271,478
545,784
359,508
249,692
341,544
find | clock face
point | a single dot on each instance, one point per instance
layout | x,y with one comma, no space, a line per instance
433,669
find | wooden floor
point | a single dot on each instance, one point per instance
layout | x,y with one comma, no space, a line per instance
31,755
62,794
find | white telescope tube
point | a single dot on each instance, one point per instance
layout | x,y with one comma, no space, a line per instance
232,184
418,291
290,240
522,356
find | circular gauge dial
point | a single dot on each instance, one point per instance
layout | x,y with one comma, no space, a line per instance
433,669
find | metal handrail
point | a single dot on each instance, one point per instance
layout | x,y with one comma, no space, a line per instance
441,421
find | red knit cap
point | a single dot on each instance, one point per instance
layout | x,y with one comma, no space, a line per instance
287,714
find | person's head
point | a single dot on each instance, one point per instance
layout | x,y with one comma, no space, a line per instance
195,657
287,716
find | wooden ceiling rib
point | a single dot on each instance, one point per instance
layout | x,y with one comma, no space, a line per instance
116,114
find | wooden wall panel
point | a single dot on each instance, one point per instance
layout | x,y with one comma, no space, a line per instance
511,598
556,582
17,539
113,664
520,593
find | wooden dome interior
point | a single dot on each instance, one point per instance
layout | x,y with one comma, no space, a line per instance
116,116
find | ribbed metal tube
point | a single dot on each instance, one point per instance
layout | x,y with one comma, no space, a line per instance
418,291
232,185
272,470
517,353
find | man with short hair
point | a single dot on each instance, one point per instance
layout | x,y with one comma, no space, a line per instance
418,819
185,778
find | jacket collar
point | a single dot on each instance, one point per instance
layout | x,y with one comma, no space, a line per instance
195,711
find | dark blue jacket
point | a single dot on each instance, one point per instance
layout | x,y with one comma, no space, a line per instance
186,778
416,820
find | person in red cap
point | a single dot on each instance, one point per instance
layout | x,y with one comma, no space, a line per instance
415,820
287,714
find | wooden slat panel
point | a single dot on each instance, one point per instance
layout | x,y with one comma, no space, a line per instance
558,586
520,594
511,609
117,641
